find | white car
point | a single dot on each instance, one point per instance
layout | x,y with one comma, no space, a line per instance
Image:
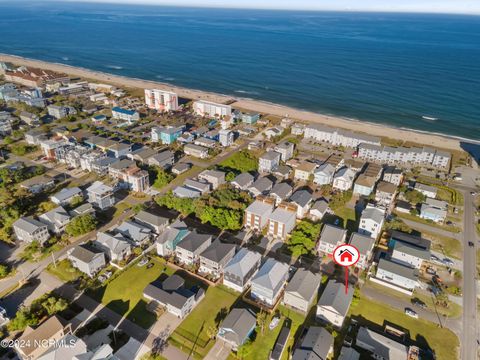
143,262
411,313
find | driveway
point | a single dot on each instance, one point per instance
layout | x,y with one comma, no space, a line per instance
219,351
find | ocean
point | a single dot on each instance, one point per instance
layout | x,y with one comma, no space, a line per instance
383,68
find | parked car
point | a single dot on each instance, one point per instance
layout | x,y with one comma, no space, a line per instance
430,270
470,243
143,262
448,261
411,313
419,303
149,266
434,258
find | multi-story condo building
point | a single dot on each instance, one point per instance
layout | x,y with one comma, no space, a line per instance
124,114
403,155
130,174
208,108
161,100
338,137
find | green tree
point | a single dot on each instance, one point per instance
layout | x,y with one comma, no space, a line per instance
185,206
52,305
4,271
262,317
23,318
162,178
414,196
303,239
230,176
81,225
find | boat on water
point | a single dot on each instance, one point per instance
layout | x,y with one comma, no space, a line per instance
430,118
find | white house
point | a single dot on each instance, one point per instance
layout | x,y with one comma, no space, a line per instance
330,238
371,221
427,190
268,283
269,161
87,259
408,254
302,290
324,174
364,245
257,214
396,275
343,179
334,303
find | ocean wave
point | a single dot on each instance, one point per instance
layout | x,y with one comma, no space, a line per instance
169,78
65,58
247,92
114,67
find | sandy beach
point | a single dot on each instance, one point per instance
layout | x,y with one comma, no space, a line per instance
432,140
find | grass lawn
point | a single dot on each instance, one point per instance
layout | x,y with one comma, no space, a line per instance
454,309
451,247
260,348
124,293
346,216
241,161
426,334
64,271
121,207
207,315
411,217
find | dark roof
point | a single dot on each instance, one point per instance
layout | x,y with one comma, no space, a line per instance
193,241
217,251
315,345
168,292
152,219
238,325
413,240
334,296
85,253
280,343
301,197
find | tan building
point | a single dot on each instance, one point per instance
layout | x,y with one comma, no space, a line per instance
53,329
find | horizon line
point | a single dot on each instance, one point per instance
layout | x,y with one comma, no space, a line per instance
236,7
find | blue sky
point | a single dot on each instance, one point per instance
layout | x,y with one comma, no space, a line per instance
435,6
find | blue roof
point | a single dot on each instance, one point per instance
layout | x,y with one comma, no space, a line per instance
123,111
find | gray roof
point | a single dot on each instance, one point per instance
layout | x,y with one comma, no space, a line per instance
315,345
243,179
440,204
172,232
167,293
374,213
99,187
271,274
238,325
144,153
84,253
55,216
363,243
326,169
217,251
262,184
348,353
123,164
133,230
320,205
398,269
193,241
419,186
411,250
332,234
242,262
271,155
334,296
426,208
282,215
163,156
116,243
385,347
304,283
301,197
86,208
282,190
67,193
387,187
411,239
28,224
152,219
260,208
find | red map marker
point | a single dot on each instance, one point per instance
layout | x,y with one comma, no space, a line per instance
346,255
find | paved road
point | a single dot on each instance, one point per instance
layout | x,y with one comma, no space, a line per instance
420,226
470,328
27,270
453,324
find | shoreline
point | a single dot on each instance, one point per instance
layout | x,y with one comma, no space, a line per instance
437,140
